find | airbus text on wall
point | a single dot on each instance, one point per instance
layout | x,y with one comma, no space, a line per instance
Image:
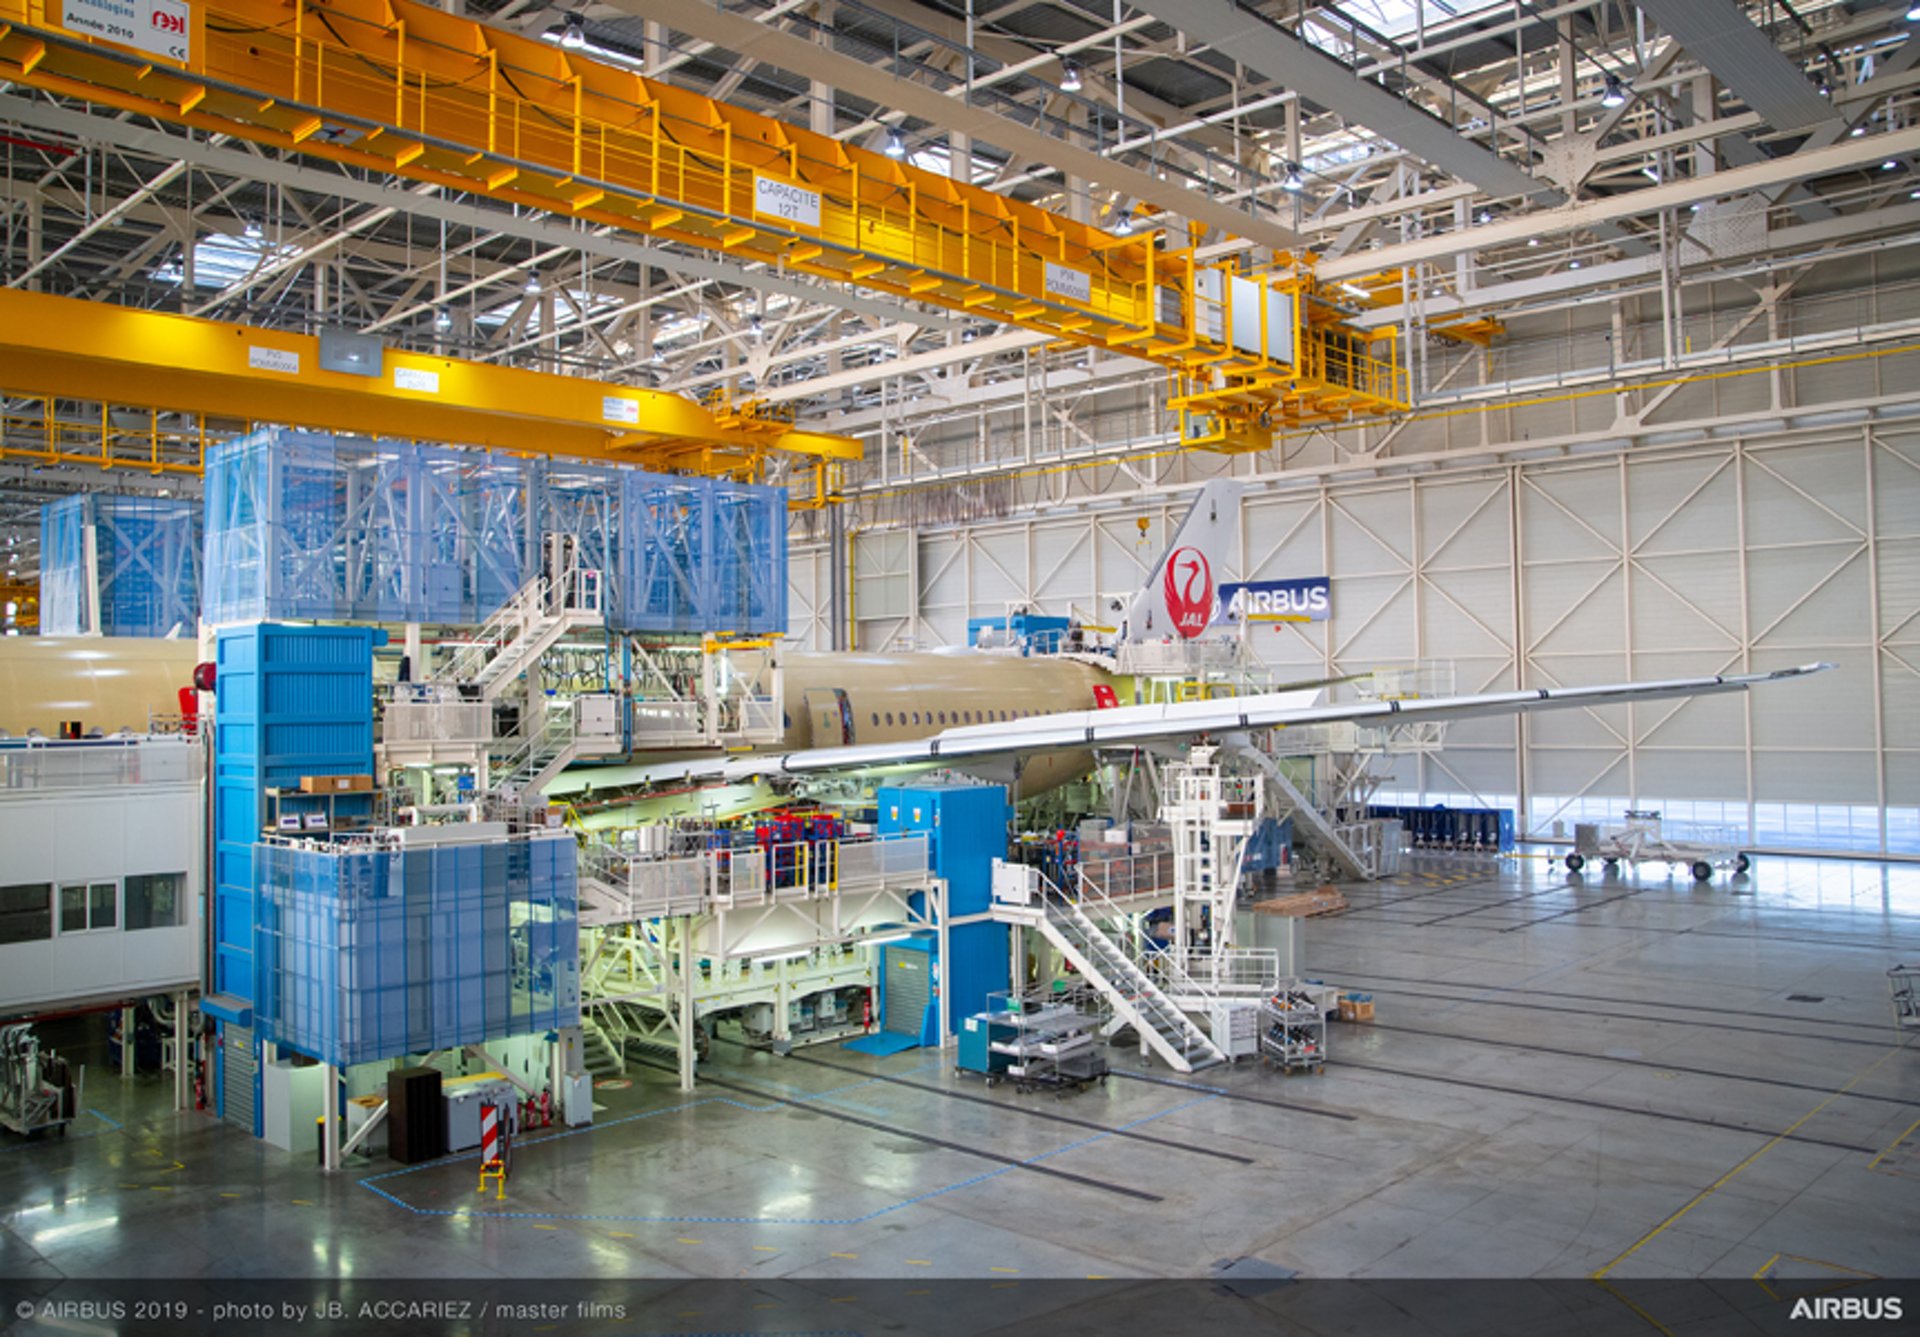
1308,600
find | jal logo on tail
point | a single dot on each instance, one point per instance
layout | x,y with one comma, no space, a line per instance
1189,591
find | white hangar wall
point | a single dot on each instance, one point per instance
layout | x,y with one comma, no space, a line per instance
1728,556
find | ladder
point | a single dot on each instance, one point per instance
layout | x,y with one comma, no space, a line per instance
1135,996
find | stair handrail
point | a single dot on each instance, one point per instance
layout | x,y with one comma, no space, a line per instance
556,732
1173,979
527,604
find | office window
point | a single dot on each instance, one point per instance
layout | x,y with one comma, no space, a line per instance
156,900
88,906
26,912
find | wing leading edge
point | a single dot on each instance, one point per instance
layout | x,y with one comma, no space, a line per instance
1079,730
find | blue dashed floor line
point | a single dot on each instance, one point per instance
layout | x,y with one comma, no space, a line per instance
371,1182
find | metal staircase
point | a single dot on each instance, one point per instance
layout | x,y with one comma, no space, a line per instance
565,597
1134,994
568,729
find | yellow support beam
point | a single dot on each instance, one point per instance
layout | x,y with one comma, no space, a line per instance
90,351
397,87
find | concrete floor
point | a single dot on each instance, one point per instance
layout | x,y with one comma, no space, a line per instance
1567,1077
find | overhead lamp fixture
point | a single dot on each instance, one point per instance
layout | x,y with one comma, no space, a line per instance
1123,225
1889,165
1650,172
442,319
896,143
252,231
1533,241
533,283
1573,264
1292,180
574,35
1615,93
1486,216
1913,13
1069,77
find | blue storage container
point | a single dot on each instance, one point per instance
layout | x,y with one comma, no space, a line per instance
968,829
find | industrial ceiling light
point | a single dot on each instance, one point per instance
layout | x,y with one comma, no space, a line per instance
533,283
1292,180
1889,165
1123,226
574,35
252,231
1913,13
1069,77
896,144
1615,94
1533,241
442,319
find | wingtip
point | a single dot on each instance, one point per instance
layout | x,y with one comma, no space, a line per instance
1820,667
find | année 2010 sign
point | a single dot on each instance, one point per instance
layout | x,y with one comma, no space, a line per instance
162,28
1307,600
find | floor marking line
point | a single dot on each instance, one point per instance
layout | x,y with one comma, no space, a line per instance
1769,1145
1891,1145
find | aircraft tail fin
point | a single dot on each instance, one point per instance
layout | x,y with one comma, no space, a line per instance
1179,595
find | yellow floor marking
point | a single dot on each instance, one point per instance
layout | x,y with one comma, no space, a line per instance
1098,1276
539,1225
230,1195
1896,1142
764,1248
1003,1285
918,1262
1013,1270
621,1234
301,1202
1849,1279
843,1255
1726,1178
684,1240
842,1299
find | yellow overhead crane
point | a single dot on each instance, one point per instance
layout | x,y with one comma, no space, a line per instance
59,348
402,88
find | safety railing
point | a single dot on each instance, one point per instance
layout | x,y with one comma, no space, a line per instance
1130,875
1178,659
666,723
751,876
32,764
533,751
422,719
1236,972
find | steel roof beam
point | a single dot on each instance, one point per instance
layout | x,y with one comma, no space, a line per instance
1719,35
1271,50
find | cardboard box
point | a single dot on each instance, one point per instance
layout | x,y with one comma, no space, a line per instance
336,784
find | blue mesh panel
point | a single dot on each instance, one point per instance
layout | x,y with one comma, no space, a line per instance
305,524
376,953
749,559
147,556
667,576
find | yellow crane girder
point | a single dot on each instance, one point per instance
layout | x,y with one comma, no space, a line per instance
404,88
63,348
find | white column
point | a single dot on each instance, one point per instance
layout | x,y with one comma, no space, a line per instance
329,1118
687,1048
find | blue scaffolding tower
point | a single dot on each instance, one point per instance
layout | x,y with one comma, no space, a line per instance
145,566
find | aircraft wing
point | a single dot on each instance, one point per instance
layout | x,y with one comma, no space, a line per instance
1081,730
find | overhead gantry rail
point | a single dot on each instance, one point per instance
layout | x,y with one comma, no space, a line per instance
397,87
59,348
